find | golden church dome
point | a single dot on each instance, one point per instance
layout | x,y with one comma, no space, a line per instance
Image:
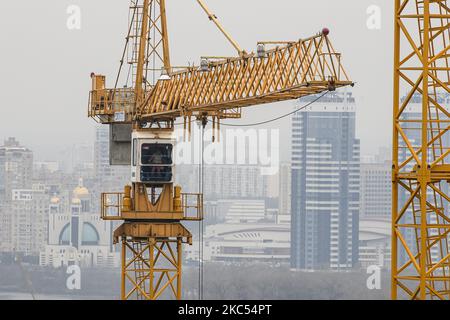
80,191
54,200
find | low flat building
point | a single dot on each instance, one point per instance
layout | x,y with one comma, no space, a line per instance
248,235
237,243
375,242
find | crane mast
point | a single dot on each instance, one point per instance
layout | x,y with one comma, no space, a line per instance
142,118
421,170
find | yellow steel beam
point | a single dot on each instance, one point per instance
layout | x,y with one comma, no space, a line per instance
288,72
139,89
214,19
144,275
419,203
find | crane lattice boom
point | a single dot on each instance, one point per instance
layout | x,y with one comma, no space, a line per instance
224,86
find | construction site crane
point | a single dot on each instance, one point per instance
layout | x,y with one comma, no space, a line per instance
142,116
421,149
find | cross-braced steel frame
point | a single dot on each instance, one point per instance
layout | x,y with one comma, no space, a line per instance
151,268
420,209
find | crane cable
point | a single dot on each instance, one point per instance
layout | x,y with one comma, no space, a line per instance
266,121
199,232
125,50
200,223
277,118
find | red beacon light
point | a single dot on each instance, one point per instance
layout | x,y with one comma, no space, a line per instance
325,31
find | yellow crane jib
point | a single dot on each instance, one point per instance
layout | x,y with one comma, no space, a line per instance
221,87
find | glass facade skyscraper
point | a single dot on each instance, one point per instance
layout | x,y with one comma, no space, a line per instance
325,184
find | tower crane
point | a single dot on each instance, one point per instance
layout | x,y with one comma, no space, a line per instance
142,117
421,149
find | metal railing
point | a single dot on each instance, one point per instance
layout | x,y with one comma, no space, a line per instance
111,206
191,204
111,101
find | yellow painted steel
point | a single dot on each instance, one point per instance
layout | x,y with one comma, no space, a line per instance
287,72
151,268
420,201
219,89
214,19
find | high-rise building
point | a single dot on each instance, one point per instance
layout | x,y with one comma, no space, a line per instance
284,200
76,158
224,181
272,186
375,219
325,184
234,181
16,167
108,178
16,172
29,220
376,190
108,175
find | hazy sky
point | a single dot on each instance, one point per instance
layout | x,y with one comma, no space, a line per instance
45,67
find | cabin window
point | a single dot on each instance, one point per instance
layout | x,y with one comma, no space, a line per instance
156,154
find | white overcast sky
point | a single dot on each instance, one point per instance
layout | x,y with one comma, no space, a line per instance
45,67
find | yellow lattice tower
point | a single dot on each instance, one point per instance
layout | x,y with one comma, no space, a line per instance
420,210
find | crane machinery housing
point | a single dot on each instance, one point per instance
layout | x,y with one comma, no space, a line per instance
142,117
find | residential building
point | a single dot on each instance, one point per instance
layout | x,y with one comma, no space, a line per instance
16,172
376,189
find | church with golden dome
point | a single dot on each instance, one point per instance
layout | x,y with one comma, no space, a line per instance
76,235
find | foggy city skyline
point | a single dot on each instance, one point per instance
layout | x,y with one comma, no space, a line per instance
168,186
